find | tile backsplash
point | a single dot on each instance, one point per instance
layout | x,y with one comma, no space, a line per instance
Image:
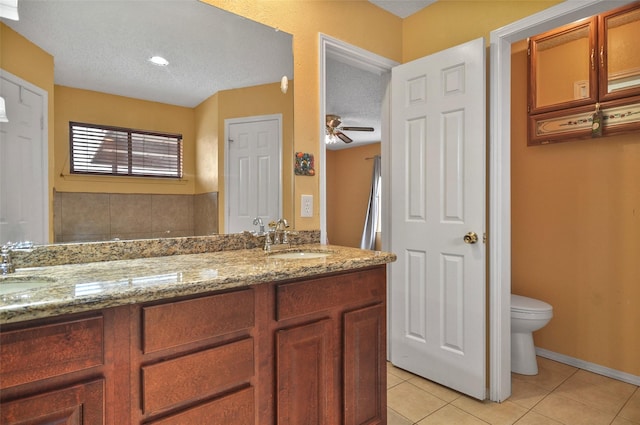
80,217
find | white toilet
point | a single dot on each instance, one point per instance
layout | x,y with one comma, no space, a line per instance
527,315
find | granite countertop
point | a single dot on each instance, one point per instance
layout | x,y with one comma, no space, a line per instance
73,288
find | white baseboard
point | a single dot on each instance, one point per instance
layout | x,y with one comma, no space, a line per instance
591,367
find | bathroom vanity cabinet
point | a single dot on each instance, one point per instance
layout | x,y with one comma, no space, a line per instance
308,350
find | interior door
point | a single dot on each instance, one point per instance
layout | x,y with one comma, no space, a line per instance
438,290
253,184
23,164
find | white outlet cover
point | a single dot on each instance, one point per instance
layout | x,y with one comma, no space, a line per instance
306,206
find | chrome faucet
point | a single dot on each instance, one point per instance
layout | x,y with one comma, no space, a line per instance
6,266
258,222
279,232
282,226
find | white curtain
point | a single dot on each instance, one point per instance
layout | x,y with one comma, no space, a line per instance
373,211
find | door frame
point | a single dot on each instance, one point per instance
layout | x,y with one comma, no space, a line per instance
358,57
228,122
500,175
44,128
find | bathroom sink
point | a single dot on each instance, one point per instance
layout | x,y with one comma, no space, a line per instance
12,285
299,255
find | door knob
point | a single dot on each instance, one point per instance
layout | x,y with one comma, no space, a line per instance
470,238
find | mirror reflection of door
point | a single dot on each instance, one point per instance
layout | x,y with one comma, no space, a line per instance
253,182
23,163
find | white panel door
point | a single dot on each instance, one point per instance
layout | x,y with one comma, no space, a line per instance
253,177
23,164
438,317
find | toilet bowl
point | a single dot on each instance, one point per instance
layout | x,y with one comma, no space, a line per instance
527,315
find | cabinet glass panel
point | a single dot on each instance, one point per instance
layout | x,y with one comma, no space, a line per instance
621,54
563,68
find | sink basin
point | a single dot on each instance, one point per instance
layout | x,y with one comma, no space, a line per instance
299,255
12,285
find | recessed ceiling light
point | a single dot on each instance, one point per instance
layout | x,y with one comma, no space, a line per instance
159,60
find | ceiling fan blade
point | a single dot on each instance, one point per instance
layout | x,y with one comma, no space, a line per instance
356,128
344,137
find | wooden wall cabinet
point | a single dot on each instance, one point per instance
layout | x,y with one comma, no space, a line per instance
578,69
311,351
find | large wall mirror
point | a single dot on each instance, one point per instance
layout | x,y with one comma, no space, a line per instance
221,67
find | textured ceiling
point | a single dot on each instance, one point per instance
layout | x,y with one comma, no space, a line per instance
355,95
104,45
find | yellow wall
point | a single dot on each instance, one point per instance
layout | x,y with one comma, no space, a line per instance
447,23
348,186
576,237
26,60
207,129
99,108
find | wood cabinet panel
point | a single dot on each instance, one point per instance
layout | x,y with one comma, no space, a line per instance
80,404
365,392
305,375
310,296
50,350
182,322
196,376
234,409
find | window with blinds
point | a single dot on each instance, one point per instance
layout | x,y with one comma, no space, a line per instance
116,151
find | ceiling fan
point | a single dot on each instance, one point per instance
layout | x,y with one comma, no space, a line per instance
335,132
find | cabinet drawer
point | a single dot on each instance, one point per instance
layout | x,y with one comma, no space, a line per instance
196,376
183,322
235,409
80,404
45,351
310,296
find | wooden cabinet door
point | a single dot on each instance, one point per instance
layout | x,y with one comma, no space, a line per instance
562,68
305,375
619,59
78,405
364,363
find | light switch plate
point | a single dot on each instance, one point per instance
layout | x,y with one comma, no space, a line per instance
306,206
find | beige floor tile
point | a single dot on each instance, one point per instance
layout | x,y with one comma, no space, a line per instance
449,415
550,374
505,413
437,390
571,412
400,373
533,418
393,380
631,410
526,394
621,421
395,418
597,391
412,402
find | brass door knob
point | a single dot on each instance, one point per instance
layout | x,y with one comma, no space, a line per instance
470,238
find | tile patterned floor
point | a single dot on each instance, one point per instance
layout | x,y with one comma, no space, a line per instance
558,395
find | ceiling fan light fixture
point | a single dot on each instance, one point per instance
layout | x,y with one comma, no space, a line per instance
330,139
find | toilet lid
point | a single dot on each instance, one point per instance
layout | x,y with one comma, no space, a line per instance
520,303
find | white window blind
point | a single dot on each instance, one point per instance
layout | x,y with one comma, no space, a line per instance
99,149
